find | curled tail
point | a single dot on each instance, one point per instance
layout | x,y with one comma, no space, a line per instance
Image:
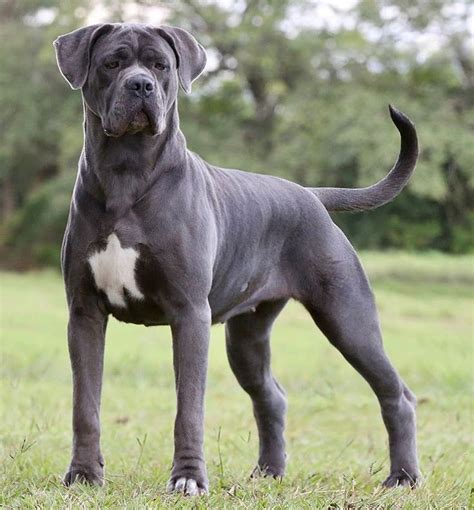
360,199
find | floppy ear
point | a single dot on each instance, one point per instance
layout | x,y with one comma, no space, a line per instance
73,52
190,55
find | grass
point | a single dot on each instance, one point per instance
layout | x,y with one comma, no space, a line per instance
336,441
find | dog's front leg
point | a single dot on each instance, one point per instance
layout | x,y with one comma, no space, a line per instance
191,331
86,338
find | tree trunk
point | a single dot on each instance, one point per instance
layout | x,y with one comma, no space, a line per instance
7,197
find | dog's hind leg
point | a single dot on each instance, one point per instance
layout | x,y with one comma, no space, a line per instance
344,309
248,349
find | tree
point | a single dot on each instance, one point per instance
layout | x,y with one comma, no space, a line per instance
296,88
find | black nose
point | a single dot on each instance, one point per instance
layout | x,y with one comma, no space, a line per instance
142,86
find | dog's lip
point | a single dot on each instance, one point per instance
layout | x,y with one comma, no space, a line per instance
141,120
144,121
141,117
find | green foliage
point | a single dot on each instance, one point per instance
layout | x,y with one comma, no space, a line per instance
35,231
286,93
410,222
36,106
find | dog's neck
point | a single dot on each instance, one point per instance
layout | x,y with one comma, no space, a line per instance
118,171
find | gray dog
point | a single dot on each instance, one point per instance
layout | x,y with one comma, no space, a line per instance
157,236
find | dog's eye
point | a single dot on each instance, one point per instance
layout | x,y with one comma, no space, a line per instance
112,65
160,66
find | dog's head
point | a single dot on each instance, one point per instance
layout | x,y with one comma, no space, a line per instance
129,73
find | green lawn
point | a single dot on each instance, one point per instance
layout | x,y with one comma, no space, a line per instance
336,441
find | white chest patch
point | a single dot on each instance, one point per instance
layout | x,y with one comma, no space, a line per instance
114,271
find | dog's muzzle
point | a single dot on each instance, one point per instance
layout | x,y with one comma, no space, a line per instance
140,85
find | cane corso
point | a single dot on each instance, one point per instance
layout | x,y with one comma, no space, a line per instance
157,236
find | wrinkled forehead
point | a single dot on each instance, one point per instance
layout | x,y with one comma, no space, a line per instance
134,38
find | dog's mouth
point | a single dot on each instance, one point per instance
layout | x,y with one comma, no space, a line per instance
139,122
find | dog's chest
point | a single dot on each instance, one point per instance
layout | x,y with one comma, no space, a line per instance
114,270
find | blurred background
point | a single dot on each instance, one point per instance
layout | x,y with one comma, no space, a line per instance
295,88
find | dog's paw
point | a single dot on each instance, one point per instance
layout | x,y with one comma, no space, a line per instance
271,465
84,474
402,479
268,471
187,486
